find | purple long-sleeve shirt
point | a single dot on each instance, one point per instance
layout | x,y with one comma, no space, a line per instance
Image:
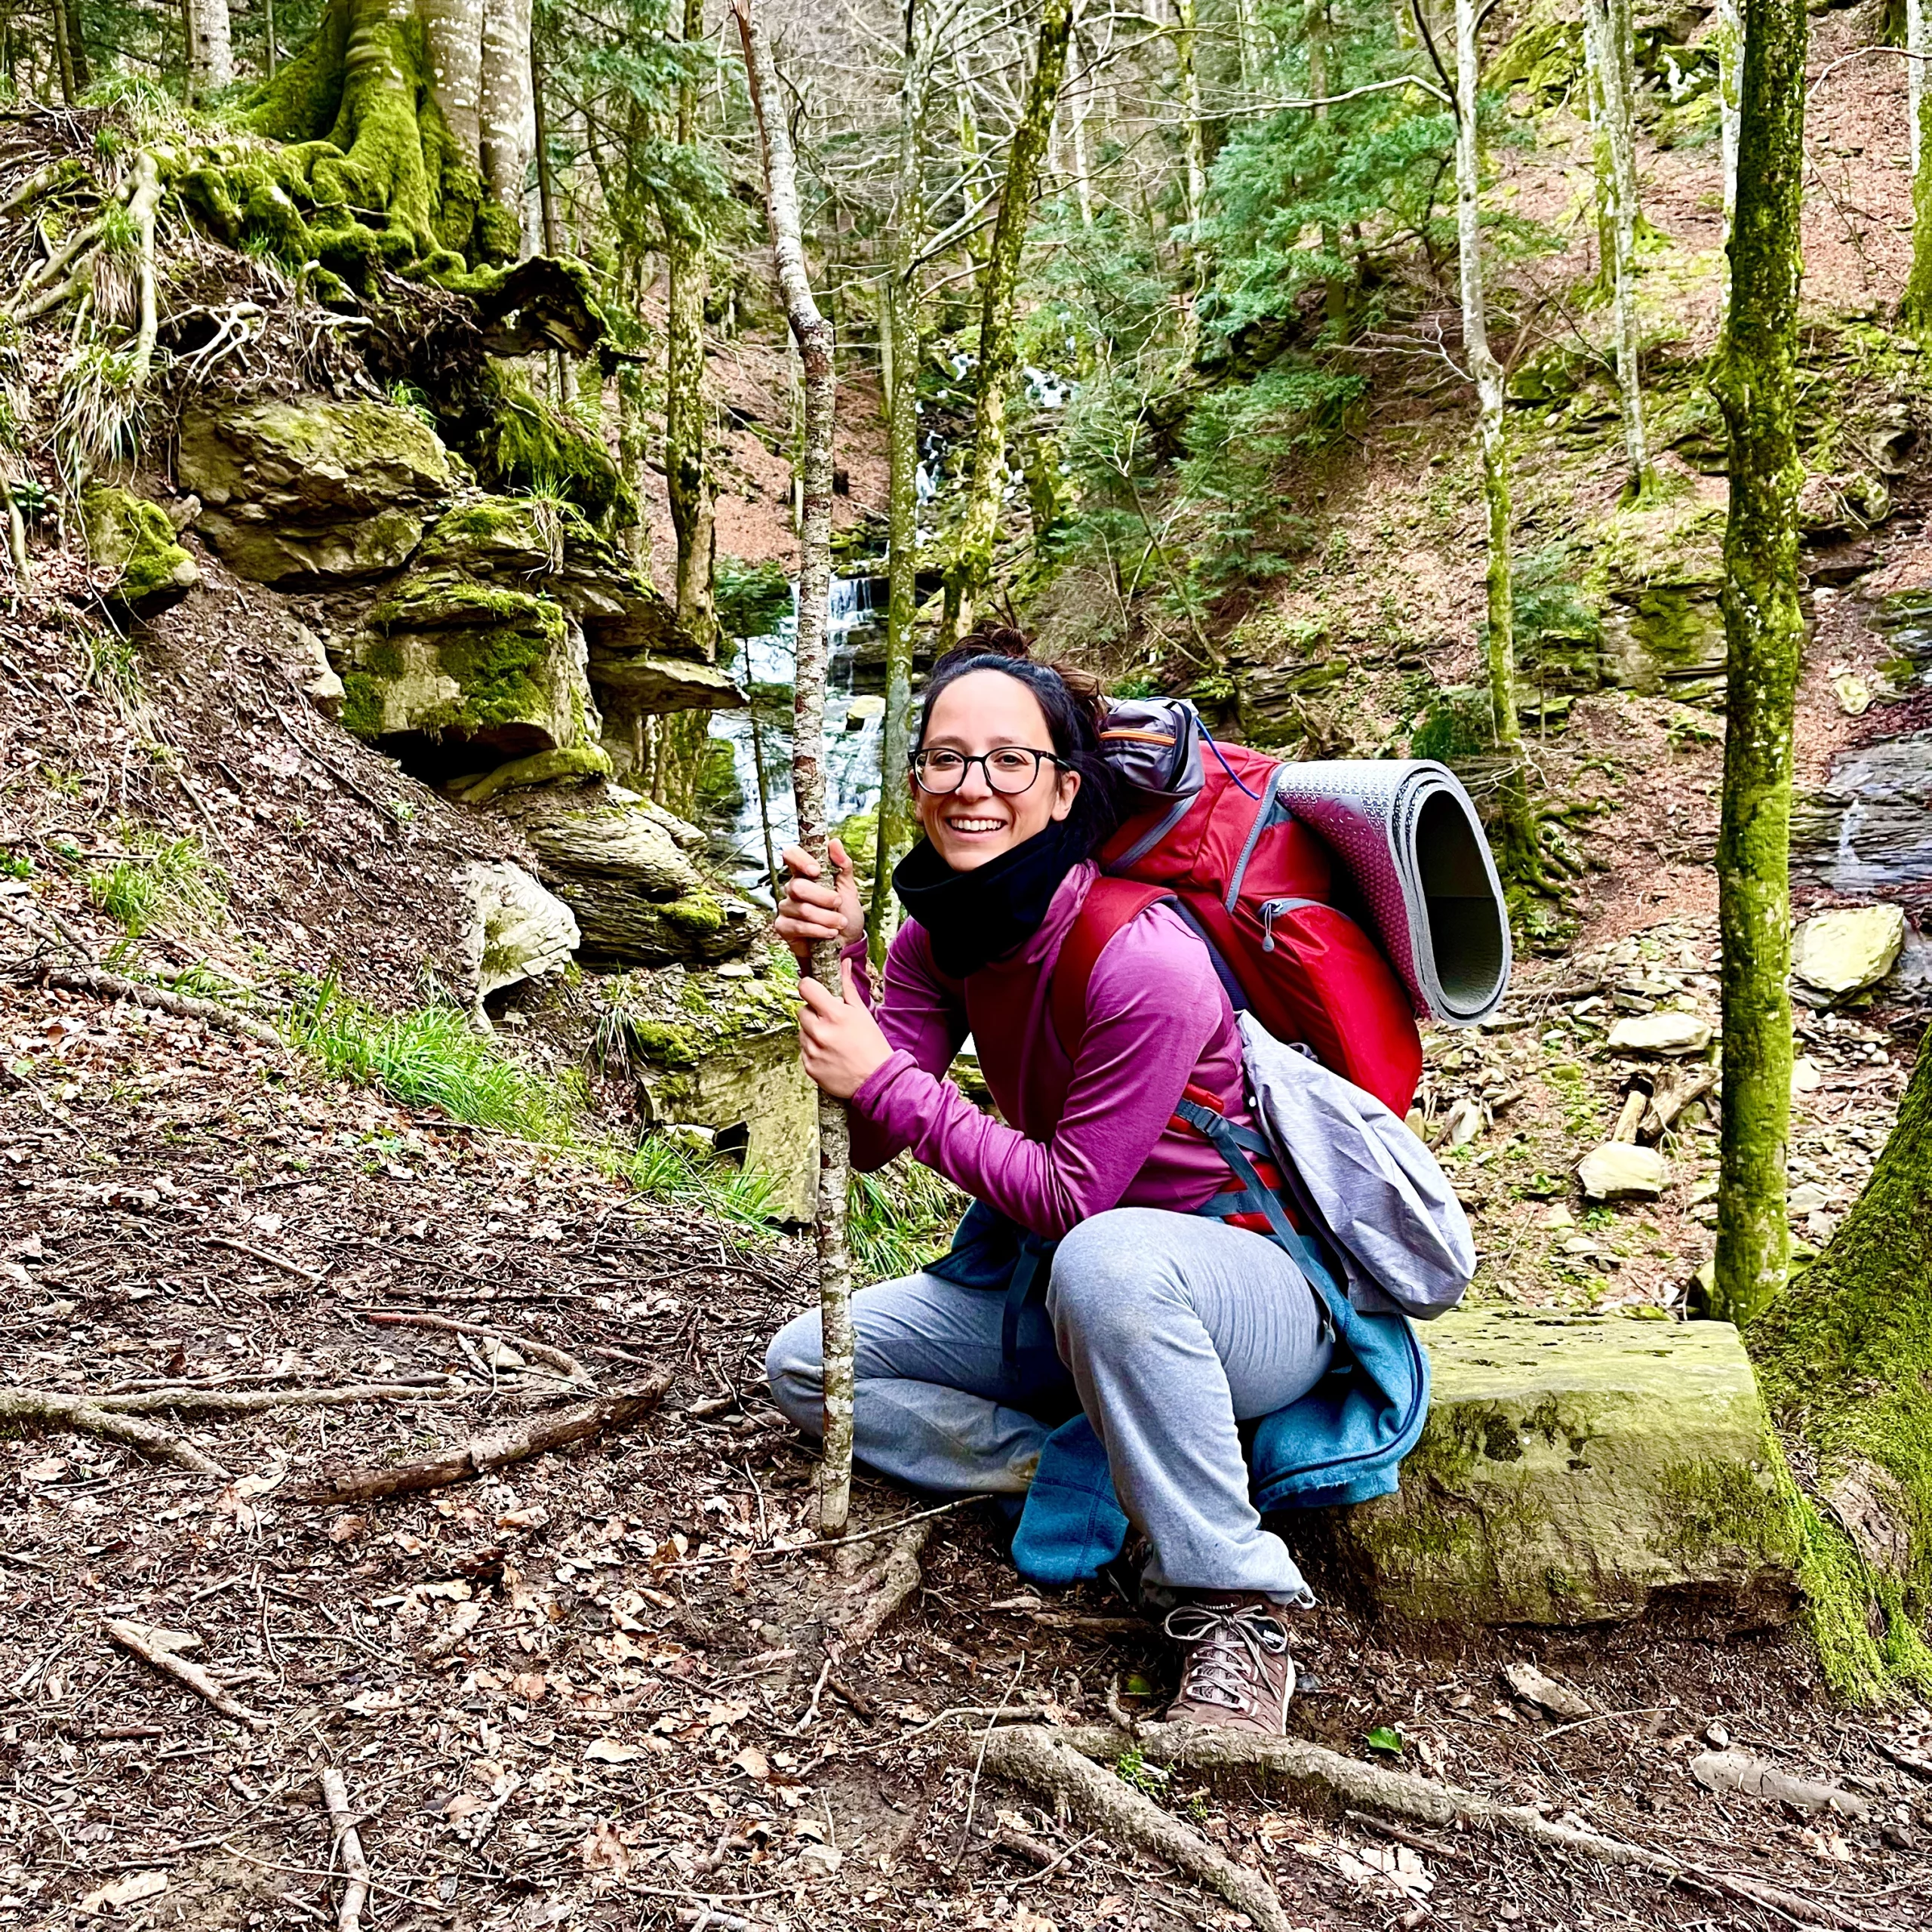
1087,1136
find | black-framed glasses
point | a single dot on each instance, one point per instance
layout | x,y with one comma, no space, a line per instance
1009,769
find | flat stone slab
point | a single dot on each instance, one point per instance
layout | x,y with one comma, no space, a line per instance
1661,1036
1576,1470
1620,1170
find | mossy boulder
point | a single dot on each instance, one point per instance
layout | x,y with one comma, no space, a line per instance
1576,1470
304,492
626,869
718,1049
131,538
1662,628
443,657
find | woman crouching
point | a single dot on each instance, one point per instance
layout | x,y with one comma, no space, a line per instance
1169,1329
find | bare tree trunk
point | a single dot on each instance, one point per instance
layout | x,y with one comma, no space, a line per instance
63,52
1607,33
813,334
546,188
1079,109
1755,385
1315,25
978,529
1188,80
686,472
901,365
1728,37
507,111
210,46
1518,825
454,30
271,57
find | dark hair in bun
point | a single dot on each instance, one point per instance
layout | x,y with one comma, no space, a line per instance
1075,705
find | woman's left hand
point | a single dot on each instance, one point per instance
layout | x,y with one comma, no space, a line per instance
840,1040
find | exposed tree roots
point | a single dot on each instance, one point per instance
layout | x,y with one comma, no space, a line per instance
1030,1754
881,1591
43,1408
568,1367
1328,1777
157,999
552,1430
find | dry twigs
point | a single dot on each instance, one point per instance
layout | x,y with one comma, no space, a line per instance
482,1454
568,1367
1311,1769
349,1842
104,1418
1032,1755
161,1650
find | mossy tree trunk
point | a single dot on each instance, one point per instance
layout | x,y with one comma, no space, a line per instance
1517,820
1726,38
1607,34
687,467
901,371
812,333
979,528
357,110
1764,635
1916,308
1844,1358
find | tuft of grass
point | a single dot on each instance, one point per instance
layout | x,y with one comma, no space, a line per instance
158,879
433,1057
898,1218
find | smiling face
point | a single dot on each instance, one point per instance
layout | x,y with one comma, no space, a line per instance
974,714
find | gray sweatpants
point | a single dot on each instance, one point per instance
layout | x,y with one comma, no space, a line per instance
1169,1330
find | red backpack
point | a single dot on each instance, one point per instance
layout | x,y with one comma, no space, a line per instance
1258,885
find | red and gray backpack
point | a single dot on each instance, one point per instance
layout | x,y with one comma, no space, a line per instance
1259,884
1330,1046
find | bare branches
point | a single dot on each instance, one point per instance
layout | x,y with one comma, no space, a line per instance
482,1454
160,1650
567,1366
349,1844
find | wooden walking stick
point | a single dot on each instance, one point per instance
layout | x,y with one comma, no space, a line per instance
812,334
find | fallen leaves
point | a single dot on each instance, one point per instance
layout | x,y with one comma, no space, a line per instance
612,1750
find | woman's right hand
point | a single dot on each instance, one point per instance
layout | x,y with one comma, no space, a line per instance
812,911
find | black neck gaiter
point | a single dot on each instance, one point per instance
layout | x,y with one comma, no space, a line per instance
974,917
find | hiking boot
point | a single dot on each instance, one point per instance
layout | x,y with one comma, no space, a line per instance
1236,1671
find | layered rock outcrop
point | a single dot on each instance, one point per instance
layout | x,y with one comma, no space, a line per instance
303,492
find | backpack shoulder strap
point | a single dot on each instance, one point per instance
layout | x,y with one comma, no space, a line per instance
1111,904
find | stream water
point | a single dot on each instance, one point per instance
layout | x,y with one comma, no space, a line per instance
853,721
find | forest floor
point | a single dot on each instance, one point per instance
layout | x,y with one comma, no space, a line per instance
593,1689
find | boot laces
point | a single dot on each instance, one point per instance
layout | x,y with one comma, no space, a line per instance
1227,1647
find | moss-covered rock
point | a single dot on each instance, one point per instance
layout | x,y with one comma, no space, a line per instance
626,869
516,930
522,443
1663,629
303,492
718,1049
132,539
444,657
1579,1469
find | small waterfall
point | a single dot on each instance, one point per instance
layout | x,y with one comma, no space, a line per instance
852,726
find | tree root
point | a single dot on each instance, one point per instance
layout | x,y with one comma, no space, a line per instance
895,1580
1030,1754
87,1417
263,1401
483,1453
568,1367
1312,1770
157,999
153,1647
